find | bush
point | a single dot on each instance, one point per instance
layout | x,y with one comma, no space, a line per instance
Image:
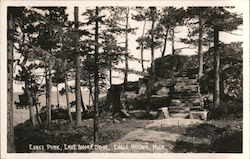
229,141
229,108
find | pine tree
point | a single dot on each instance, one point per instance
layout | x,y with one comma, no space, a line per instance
220,19
78,73
140,16
49,35
10,58
29,53
96,76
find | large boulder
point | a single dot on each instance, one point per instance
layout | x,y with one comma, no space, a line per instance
174,65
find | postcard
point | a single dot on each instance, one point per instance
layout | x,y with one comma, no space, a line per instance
124,79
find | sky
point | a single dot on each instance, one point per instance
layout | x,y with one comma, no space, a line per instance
132,44
225,37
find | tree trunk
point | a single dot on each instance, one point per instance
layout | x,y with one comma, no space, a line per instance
216,92
90,90
66,92
10,126
78,72
89,97
173,49
152,76
84,108
126,50
32,108
149,90
165,43
152,48
38,115
48,89
142,47
200,54
110,71
96,79
57,96
78,93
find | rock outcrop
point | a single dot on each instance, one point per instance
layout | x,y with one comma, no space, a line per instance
175,90
186,99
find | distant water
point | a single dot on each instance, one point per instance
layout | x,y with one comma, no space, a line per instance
21,115
62,99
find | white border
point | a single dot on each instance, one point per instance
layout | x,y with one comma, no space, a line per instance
3,79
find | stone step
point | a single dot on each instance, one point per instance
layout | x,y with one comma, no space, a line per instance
183,97
196,104
186,100
180,78
178,111
163,82
186,84
159,96
178,108
183,74
186,92
186,80
178,95
187,104
179,115
163,90
196,108
186,88
177,105
192,76
177,101
198,115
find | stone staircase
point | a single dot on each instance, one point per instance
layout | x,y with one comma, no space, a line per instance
186,98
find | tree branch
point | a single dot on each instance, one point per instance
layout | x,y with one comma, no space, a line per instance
187,47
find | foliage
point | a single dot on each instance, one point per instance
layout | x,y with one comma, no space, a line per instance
171,65
223,135
231,70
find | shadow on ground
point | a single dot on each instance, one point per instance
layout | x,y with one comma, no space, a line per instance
61,132
215,136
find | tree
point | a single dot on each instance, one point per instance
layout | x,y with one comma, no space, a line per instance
171,18
49,34
106,53
29,53
70,53
220,19
198,35
119,25
96,76
151,15
10,58
140,16
230,71
58,76
126,48
112,51
148,42
152,47
66,90
78,73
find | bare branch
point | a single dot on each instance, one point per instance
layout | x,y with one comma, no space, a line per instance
187,47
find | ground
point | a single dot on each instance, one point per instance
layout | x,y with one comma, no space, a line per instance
137,135
159,136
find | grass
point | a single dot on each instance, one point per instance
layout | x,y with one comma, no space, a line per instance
221,135
61,132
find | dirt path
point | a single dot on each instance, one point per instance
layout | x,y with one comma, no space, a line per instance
160,136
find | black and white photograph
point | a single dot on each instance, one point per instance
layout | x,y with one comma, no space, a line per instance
126,78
